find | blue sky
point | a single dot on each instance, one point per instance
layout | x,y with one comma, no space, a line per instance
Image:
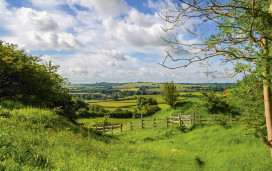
96,40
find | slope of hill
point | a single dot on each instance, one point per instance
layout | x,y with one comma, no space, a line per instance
34,139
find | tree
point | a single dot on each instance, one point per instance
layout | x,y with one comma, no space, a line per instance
215,103
115,96
23,78
170,93
147,106
141,101
241,34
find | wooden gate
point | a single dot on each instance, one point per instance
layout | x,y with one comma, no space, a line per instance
181,120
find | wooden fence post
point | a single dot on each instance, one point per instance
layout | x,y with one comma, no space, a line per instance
179,120
171,119
103,128
130,125
190,119
121,127
193,117
111,129
142,123
154,122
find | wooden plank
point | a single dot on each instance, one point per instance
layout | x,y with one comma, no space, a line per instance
175,117
126,124
148,123
160,119
161,126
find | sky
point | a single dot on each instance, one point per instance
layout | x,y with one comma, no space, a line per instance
96,40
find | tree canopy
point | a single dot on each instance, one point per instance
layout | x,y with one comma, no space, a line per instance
170,93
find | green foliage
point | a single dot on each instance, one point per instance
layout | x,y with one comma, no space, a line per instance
247,99
80,104
82,112
216,104
147,106
148,109
255,125
97,108
102,121
247,96
170,93
141,101
120,113
24,79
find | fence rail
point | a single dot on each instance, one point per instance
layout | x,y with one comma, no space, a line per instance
180,120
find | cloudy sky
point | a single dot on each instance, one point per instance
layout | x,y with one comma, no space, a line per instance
95,40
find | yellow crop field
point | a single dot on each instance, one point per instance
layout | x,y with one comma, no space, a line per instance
115,104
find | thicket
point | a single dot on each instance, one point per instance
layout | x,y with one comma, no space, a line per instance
24,78
146,106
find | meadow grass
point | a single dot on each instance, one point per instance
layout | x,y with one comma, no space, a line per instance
38,139
208,148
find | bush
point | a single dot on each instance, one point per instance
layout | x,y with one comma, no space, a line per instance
24,79
119,113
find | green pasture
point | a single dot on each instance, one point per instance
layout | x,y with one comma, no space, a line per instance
38,139
130,108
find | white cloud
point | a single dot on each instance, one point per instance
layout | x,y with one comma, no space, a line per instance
104,8
48,4
35,20
112,41
140,19
51,41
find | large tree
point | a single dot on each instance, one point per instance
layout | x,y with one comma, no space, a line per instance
170,93
235,31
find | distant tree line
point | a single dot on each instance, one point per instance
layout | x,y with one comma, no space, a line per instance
112,94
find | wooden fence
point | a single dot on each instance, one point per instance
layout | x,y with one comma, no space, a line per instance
217,119
180,120
143,123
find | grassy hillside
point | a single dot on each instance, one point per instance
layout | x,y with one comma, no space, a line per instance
34,139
